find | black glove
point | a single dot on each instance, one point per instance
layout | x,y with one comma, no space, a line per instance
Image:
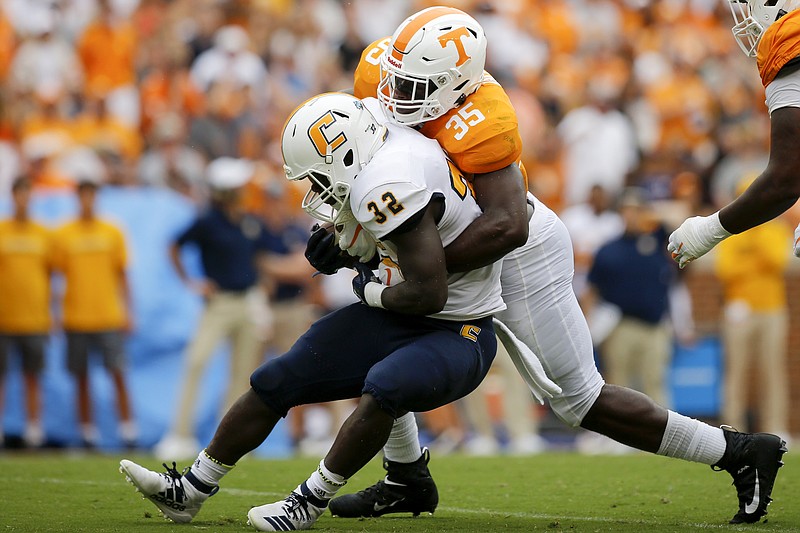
323,253
364,276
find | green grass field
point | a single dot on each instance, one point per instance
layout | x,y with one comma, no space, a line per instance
551,492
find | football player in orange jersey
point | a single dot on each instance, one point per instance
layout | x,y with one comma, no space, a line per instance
429,75
768,30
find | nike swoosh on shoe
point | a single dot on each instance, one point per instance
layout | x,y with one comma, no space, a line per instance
752,507
380,507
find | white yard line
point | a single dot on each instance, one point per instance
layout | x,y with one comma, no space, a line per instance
449,509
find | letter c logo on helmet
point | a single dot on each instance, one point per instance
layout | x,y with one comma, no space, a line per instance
316,133
343,135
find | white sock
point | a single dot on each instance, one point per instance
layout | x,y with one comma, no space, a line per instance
323,483
128,430
403,444
89,433
208,470
34,433
692,440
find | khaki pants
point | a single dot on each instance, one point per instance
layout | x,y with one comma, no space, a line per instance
226,316
636,355
759,338
291,319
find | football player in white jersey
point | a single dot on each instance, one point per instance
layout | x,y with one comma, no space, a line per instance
430,73
768,30
424,338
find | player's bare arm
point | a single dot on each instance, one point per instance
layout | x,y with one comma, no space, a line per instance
502,227
422,260
778,187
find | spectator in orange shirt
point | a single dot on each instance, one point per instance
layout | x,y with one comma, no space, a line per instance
107,50
91,255
25,263
98,128
166,88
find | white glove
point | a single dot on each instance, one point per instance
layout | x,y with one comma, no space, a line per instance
797,241
527,363
353,239
695,237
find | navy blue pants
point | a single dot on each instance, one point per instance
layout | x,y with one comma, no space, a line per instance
408,363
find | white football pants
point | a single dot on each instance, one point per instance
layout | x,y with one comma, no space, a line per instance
543,312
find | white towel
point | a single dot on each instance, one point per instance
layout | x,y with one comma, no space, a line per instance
527,363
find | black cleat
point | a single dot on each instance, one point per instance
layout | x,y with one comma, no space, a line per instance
753,460
407,488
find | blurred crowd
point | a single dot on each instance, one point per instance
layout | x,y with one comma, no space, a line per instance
609,94
146,92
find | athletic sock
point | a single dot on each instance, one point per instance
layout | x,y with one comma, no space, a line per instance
692,440
33,435
403,444
90,434
324,484
128,430
206,472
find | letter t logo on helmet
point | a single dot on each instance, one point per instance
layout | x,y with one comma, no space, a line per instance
454,37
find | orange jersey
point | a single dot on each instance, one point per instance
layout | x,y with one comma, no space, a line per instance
25,261
779,45
481,135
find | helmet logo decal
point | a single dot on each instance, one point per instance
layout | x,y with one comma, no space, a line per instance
454,36
316,133
406,32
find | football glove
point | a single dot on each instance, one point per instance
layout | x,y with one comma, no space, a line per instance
695,237
323,253
352,238
367,286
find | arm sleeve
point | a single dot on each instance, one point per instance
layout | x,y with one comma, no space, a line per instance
784,91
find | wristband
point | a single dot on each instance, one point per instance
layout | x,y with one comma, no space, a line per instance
372,294
716,228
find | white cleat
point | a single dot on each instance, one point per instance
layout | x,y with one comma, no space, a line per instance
294,513
167,490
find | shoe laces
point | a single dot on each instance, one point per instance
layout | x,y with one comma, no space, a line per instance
296,507
173,478
735,448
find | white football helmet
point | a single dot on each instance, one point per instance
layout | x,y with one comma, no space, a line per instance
329,139
752,17
435,59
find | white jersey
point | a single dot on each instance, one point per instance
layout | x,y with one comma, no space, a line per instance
401,179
